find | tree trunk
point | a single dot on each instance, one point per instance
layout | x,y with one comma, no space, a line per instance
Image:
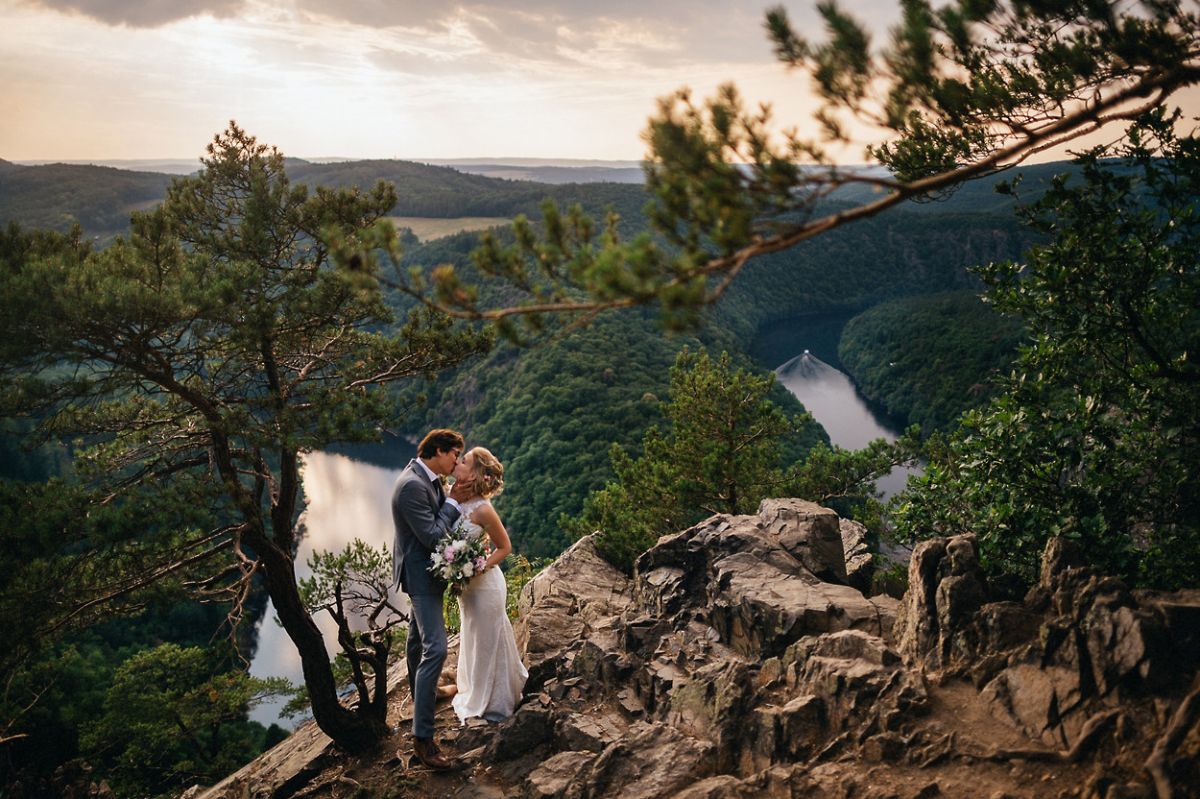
349,730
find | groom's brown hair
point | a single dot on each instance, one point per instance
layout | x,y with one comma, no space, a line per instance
439,440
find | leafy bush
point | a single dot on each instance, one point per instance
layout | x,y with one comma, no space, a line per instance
1097,436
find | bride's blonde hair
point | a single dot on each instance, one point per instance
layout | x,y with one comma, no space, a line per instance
488,473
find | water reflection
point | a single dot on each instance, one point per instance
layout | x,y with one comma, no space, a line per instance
345,499
830,396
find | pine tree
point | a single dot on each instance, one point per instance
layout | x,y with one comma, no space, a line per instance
194,362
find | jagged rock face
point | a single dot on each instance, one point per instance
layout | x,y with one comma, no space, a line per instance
1078,647
753,579
725,654
727,668
580,591
945,591
739,663
857,550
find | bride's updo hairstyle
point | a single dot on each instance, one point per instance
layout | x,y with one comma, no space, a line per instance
489,473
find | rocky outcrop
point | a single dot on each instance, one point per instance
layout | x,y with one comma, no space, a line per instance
571,600
739,662
1080,656
753,580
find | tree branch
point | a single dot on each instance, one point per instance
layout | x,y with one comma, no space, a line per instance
153,577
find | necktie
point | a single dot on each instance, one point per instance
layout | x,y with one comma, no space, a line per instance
441,494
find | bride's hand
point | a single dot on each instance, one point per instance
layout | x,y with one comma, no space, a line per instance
461,490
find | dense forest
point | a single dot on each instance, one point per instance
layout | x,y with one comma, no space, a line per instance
56,196
927,359
553,409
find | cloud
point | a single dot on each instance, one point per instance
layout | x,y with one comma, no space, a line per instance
620,33
142,13
415,14
523,36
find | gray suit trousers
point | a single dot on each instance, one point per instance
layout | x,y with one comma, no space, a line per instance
426,652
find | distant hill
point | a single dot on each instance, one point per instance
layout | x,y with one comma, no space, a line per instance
98,198
556,174
101,198
169,166
442,191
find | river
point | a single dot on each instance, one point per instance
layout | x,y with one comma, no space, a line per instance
345,499
830,396
815,378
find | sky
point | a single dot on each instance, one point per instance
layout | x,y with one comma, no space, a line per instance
413,79
109,79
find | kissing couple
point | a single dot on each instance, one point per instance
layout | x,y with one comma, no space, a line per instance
490,673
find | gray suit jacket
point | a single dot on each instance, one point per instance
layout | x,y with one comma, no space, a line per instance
420,524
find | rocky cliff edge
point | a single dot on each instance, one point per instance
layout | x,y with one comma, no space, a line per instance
741,662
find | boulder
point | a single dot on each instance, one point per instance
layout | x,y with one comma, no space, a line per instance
1036,700
558,777
530,727
754,579
588,732
859,679
759,609
652,762
561,604
713,703
935,625
784,733
808,532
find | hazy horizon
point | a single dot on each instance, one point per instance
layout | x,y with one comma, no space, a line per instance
333,159
546,170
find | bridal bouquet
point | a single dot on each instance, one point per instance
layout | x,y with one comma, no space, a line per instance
458,557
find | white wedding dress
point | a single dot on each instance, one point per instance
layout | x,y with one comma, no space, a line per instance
490,672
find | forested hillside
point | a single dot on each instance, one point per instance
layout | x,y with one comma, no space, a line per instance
927,359
976,196
100,199
551,411
598,385
439,191
860,265
97,198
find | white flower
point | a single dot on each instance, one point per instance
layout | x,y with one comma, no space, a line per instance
468,569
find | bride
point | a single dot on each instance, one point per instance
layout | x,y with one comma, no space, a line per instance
490,672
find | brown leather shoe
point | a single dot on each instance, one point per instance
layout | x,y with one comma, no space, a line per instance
429,754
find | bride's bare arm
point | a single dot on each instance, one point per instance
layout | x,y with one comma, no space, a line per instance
487,518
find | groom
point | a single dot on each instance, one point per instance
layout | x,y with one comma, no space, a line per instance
423,514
